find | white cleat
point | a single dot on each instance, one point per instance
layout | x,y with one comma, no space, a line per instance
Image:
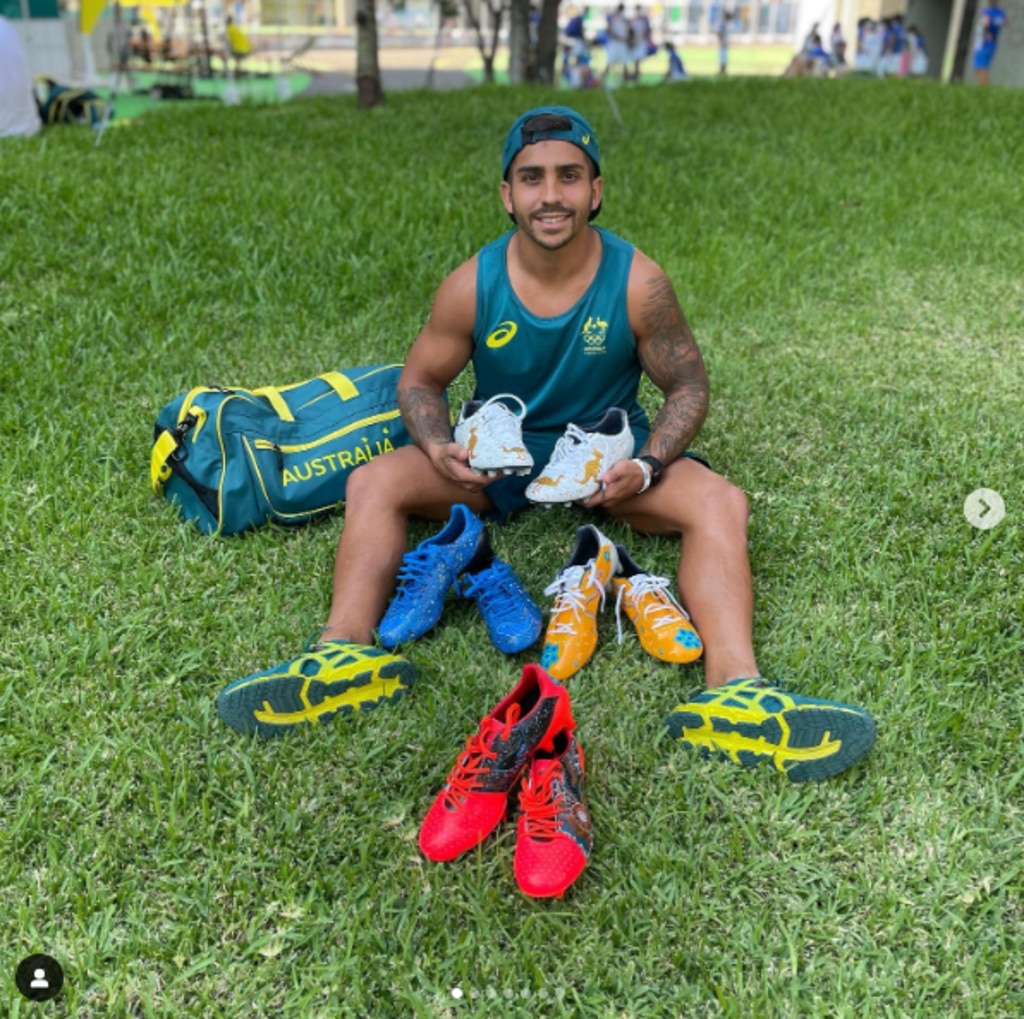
581,456
493,434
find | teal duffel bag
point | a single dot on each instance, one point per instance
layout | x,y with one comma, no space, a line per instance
232,459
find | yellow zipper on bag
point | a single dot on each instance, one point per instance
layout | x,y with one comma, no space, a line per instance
304,447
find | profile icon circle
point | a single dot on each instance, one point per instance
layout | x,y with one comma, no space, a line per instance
39,977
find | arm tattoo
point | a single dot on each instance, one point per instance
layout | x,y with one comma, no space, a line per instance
425,415
671,358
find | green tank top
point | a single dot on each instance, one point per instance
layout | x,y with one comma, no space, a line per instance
570,367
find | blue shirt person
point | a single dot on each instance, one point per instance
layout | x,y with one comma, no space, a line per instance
676,71
991,22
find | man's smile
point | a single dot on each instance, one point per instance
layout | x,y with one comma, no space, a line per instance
552,217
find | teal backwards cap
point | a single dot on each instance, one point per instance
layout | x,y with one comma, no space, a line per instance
578,131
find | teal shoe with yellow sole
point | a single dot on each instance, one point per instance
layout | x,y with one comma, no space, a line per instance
329,679
751,721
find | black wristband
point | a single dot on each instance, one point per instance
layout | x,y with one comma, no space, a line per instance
656,467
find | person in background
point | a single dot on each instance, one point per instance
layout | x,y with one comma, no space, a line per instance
19,114
918,53
838,43
820,58
894,42
239,44
617,48
640,32
576,72
568,68
813,60
809,38
723,42
585,73
676,71
869,46
575,33
992,21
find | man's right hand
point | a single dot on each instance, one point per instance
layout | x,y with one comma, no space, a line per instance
451,461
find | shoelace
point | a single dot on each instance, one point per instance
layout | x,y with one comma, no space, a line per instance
499,401
470,764
504,423
486,586
540,806
314,643
759,681
570,445
568,590
658,611
416,565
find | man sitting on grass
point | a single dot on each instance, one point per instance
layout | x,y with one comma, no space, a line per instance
523,311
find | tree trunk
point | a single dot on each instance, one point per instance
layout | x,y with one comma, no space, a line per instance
496,10
519,48
547,42
497,14
368,87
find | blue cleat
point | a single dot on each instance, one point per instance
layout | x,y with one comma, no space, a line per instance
428,572
512,617
751,721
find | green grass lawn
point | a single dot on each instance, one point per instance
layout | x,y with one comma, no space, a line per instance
849,256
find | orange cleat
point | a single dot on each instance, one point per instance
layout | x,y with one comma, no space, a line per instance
579,591
664,628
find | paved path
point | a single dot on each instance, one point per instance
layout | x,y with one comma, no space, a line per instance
401,68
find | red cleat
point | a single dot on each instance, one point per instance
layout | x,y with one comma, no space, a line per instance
555,835
475,797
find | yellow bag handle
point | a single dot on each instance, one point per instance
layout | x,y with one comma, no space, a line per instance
189,419
273,394
338,381
341,384
159,471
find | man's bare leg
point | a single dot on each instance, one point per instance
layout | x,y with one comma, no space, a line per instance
381,496
714,578
343,677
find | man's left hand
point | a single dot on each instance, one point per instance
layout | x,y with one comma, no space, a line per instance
621,481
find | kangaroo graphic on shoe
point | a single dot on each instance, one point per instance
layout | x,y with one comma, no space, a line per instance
493,435
580,457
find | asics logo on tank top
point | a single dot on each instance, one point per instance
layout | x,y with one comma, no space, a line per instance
503,334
